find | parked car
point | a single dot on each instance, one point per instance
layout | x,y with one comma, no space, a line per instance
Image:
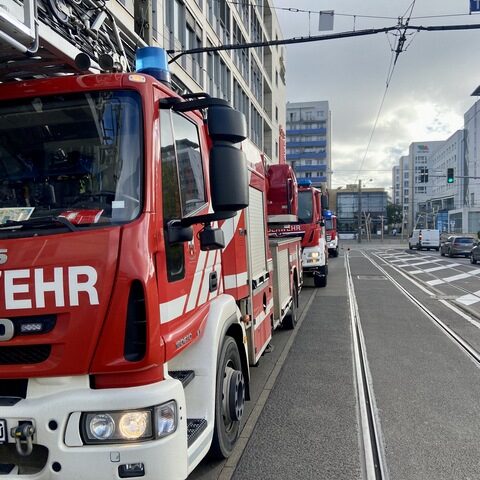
457,245
475,253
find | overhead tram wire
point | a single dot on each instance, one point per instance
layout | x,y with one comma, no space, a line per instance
356,15
397,51
318,38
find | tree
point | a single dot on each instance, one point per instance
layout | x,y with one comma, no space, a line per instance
394,214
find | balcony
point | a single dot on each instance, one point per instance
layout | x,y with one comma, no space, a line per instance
308,131
306,155
306,143
310,168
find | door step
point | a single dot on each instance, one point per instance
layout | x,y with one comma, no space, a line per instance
195,426
185,376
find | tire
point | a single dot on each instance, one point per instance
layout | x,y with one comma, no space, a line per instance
410,247
335,253
473,260
290,319
450,254
229,373
437,249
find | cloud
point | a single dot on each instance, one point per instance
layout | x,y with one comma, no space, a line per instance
427,96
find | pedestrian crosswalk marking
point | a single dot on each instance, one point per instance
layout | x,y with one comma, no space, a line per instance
453,278
435,269
470,299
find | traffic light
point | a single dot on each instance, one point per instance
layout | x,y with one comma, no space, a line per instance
450,176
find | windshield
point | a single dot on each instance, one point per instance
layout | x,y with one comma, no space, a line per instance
75,157
464,240
305,206
329,224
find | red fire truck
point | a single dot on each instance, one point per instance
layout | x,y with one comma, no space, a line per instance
331,232
310,227
137,280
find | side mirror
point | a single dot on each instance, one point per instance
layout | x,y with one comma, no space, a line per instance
226,124
211,238
178,233
228,178
321,223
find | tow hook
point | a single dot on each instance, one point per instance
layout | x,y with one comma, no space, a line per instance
23,435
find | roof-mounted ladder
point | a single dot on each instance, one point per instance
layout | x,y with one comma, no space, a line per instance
18,32
41,38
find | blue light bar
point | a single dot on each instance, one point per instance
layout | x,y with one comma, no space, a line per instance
153,61
327,213
304,182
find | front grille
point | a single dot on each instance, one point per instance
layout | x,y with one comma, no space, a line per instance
27,354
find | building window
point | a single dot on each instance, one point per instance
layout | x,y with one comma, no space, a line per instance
256,81
256,127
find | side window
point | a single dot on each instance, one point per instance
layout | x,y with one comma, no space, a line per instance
190,170
170,195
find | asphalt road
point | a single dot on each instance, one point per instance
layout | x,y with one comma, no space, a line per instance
425,387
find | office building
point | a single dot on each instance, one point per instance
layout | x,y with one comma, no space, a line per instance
309,141
252,80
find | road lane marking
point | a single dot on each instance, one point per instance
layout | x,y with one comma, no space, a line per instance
441,267
465,346
470,299
453,278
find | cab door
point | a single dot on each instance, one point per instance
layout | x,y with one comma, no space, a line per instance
188,277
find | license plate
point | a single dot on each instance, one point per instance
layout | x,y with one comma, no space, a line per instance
3,430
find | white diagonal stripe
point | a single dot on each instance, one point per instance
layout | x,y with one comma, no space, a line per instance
470,299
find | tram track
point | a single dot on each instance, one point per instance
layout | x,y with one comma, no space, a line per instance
370,436
463,344
454,286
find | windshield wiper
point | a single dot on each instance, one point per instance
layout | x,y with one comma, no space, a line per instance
39,222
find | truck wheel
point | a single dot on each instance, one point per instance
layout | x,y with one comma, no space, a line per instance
290,319
320,282
335,253
229,400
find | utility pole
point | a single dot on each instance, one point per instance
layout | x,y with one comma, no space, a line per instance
359,235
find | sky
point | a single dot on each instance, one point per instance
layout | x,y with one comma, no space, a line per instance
428,94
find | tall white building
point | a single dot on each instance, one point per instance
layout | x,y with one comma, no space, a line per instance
309,141
415,186
401,187
253,80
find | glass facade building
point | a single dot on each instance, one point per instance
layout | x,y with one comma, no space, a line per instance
373,207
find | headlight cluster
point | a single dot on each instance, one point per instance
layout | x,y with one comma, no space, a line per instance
314,255
130,425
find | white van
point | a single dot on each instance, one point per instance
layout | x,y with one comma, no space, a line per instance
424,238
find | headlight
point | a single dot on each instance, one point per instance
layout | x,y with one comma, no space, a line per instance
129,426
314,255
101,426
133,425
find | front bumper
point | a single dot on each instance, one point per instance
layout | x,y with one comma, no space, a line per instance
315,271
54,408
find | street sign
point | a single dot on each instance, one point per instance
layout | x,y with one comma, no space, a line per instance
474,6
326,20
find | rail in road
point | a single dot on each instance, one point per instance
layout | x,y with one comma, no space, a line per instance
380,382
